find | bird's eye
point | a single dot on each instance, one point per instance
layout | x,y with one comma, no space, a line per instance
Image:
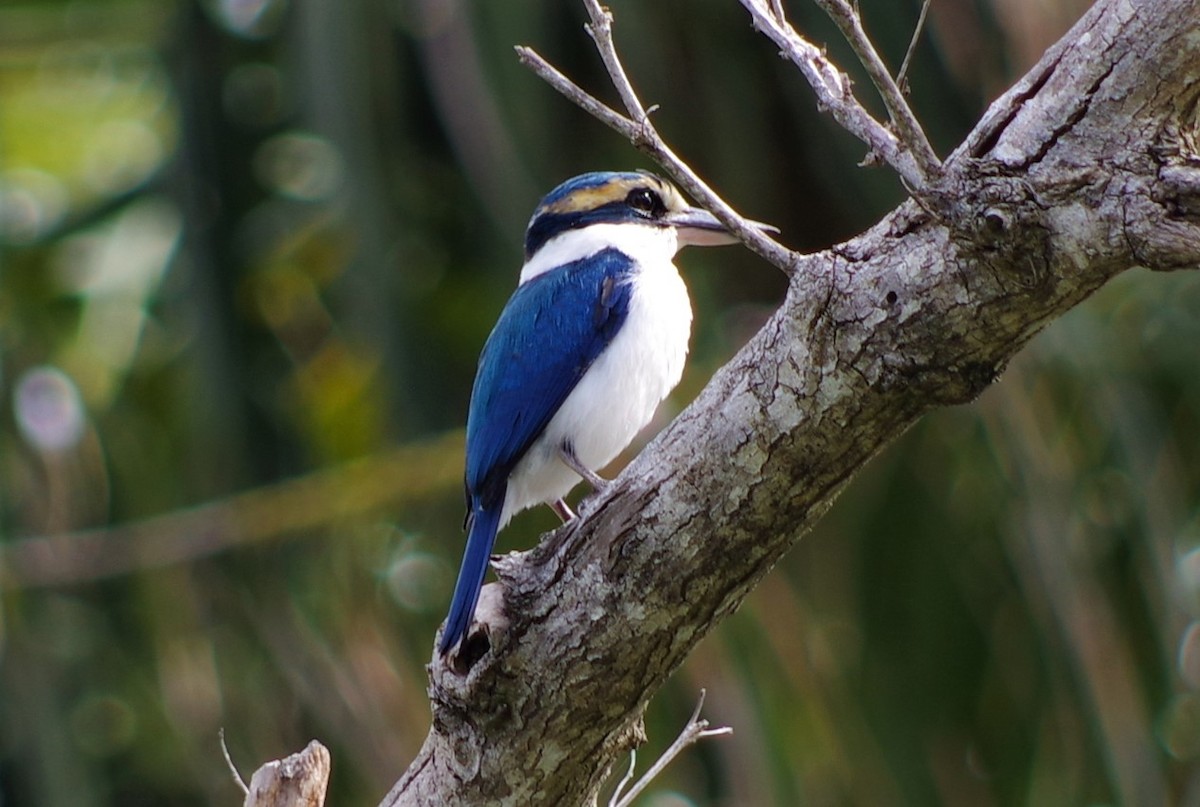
645,200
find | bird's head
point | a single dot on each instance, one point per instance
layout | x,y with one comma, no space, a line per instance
637,199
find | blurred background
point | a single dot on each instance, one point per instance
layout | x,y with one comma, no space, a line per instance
249,251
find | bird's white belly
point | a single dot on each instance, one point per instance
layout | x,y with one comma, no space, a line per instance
617,395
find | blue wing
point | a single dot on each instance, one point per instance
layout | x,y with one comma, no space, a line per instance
549,333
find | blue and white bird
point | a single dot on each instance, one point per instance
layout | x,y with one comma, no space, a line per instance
592,340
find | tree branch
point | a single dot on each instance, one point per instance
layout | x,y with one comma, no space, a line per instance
902,73
905,122
695,731
834,93
1079,172
233,771
640,131
600,30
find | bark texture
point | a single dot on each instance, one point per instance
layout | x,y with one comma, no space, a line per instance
1089,166
299,780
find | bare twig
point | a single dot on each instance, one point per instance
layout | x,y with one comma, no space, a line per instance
834,93
237,776
902,75
600,29
638,129
904,121
625,780
695,730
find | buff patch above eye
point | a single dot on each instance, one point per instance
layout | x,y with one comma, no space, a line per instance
591,197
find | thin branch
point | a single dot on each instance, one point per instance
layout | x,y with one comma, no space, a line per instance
637,128
625,780
600,30
237,775
695,730
834,93
902,75
903,119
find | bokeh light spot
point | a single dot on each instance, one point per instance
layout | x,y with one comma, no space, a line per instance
416,580
48,409
121,153
32,202
300,166
252,19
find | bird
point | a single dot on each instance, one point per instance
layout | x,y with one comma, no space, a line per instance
591,341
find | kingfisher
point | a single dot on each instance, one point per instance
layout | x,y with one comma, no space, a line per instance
592,340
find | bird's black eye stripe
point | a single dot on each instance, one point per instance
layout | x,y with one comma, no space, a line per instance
647,201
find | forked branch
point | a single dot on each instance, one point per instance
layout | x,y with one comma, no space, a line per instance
906,150
903,146
636,126
904,121
695,730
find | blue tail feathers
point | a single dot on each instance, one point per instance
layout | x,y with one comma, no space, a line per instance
480,539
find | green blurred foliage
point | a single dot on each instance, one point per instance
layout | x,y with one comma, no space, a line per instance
248,240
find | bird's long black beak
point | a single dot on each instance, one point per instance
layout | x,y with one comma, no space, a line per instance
699,228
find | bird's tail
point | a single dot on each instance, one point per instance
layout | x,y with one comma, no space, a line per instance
484,523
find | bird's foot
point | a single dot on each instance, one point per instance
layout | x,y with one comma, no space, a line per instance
567,453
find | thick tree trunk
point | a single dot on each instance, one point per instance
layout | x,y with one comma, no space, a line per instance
1087,167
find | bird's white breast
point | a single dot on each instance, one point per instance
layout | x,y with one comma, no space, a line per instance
618,394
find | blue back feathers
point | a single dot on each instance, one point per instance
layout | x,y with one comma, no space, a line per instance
552,329
548,335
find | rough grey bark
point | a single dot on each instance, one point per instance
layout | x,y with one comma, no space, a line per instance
299,780
1089,166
